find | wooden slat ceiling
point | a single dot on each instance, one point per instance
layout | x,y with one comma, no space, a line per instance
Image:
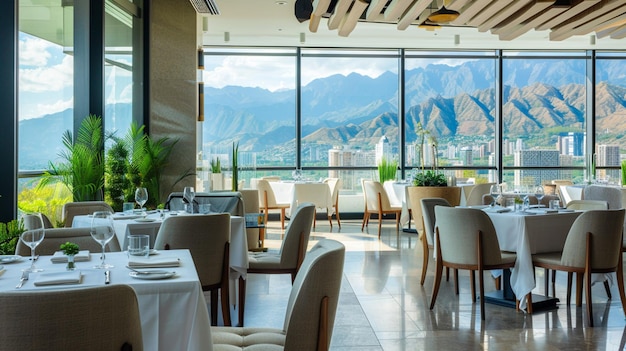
508,19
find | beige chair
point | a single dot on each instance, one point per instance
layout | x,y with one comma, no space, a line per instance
466,239
560,183
290,256
267,201
612,195
311,308
90,318
255,236
378,203
475,196
416,193
54,237
208,239
335,185
36,220
587,205
593,245
428,218
72,209
365,215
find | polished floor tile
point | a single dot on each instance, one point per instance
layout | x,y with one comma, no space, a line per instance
384,307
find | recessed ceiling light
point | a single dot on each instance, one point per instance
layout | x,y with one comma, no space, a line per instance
281,2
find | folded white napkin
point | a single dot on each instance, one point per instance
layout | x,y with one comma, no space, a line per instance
60,257
126,216
141,262
496,209
57,278
542,210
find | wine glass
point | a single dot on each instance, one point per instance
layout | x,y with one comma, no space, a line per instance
141,197
102,231
188,194
494,190
539,193
32,238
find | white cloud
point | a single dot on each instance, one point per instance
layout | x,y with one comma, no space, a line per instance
48,79
34,51
28,111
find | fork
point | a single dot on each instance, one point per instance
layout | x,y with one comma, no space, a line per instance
23,279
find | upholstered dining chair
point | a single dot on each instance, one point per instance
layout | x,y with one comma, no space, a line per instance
54,237
208,239
587,205
593,245
254,236
288,258
311,308
267,201
378,203
91,318
465,238
428,219
335,185
475,196
612,195
36,220
72,209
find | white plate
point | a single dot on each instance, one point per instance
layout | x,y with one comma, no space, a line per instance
145,220
10,258
152,275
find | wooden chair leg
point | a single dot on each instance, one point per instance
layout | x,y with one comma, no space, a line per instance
214,307
569,288
242,299
579,289
553,283
282,218
337,214
498,283
620,283
481,289
456,281
225,298
330,221
472,285
588,298
380,223
438,272
425,259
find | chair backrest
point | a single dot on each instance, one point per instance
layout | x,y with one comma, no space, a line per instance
475,196
428,215
335,185
72,209
91,318
264,187
605,227
415,193
613,196
36,220
372,189
587,205
206,236
251,205
54,237
458,236
271,178
319,278
488,199
220,201
300,223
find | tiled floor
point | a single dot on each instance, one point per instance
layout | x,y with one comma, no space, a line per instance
383,306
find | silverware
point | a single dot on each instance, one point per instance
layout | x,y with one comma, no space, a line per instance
147,272
23,279
107,277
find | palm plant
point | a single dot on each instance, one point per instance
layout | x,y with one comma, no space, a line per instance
83,168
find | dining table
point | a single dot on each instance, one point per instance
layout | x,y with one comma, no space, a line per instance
172,307
526,233
295,193
126,225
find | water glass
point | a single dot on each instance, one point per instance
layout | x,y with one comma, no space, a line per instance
128,207
555,204
139,245
510,203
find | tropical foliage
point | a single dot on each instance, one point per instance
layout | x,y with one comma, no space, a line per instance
117,184
82,168
48,200
9,236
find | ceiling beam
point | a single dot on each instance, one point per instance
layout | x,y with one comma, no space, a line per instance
375,9
620,33
593,12
532,23
412,13
456,5
589,22
349,21
503,15
522,16
341,8
571,12
470,11
487,13
320,7
396,8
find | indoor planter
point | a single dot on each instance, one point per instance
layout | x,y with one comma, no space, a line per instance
217,177
70,250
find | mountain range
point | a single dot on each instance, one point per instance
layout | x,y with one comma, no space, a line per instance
357,110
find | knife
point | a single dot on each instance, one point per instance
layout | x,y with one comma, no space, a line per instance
107,277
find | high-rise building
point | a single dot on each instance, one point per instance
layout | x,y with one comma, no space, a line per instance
607,155
571,143
535,158
383,150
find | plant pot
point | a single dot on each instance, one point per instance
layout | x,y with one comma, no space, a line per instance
416,193
217,181
70,263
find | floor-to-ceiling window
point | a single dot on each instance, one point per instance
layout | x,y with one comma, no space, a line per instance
544,117
610,115
450,113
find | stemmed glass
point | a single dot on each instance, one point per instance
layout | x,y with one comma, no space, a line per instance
141,197
32,238
539,193
102,231
188,194
494,191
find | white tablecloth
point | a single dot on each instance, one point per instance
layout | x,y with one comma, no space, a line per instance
296,193
527,235
174,314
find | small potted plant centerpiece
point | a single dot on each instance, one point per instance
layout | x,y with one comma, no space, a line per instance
70,249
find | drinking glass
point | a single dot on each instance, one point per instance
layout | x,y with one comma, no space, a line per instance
141,196
188,194
32,238
539,193
102,231
494,191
